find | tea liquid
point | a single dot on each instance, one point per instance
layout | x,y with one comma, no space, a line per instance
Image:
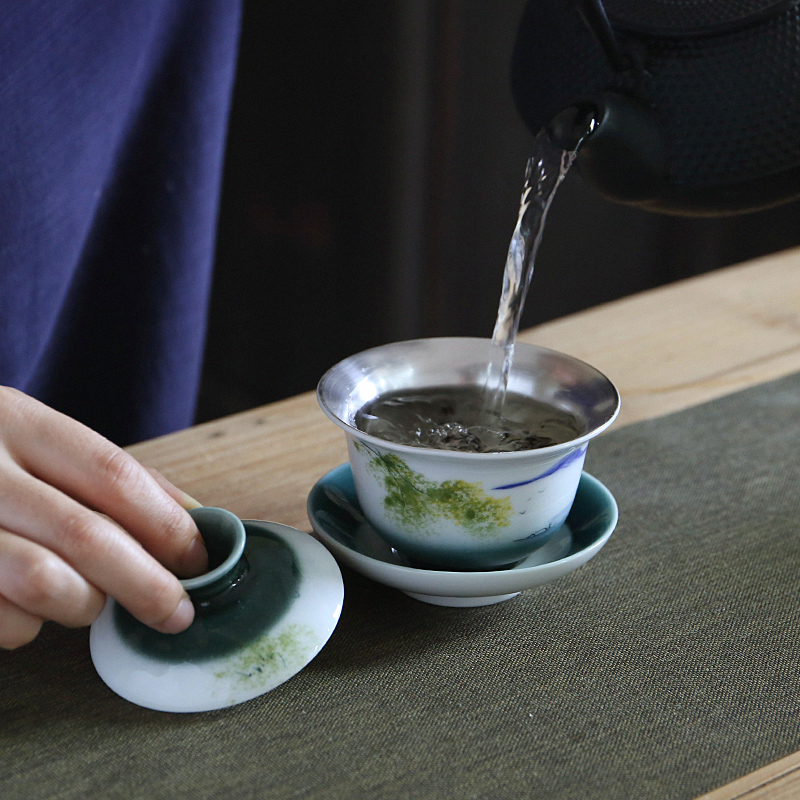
456,418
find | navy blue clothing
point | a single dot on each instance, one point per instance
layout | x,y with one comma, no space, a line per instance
113,117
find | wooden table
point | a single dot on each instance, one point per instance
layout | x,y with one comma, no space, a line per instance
666,349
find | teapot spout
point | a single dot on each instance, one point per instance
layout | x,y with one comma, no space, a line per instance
620,146
570,127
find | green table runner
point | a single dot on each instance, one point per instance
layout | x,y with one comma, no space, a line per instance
666,666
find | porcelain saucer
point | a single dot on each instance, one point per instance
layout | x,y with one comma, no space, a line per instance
338,522
168,675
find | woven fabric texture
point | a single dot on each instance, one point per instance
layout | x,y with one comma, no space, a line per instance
666,666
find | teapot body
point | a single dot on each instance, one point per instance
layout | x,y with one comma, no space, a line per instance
703,118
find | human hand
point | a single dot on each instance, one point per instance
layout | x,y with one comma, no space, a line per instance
81,518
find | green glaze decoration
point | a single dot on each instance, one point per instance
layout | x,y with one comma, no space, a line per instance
267,656
416,502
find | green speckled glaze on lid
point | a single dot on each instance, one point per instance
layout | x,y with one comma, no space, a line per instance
270,655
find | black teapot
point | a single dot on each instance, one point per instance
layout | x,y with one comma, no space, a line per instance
684,106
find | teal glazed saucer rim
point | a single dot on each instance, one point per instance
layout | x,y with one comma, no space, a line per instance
337,521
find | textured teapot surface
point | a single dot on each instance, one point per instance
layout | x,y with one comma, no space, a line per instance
697,101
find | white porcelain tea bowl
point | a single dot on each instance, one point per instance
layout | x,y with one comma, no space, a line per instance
465,510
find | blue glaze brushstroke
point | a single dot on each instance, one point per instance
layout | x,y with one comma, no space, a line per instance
573,456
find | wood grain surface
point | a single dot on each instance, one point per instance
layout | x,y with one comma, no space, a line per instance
778,781
665,349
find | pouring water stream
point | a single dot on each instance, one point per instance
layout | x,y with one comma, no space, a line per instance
546,168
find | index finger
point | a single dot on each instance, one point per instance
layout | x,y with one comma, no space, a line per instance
84,465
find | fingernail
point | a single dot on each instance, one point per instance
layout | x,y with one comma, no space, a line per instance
184,500
195,560
180,620
187,501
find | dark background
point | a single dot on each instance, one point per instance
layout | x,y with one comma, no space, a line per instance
375,162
